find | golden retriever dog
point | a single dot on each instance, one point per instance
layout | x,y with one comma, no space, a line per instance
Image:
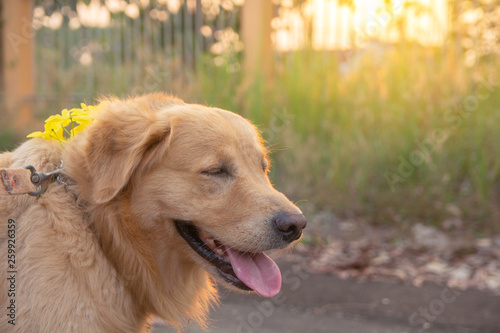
157,200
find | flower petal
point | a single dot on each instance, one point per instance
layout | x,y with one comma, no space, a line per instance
39,134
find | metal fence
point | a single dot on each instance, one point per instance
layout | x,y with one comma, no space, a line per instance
85,48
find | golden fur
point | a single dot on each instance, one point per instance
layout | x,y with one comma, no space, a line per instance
98,251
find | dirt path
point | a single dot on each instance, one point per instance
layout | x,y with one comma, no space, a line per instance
325,303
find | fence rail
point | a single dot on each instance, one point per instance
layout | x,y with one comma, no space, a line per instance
84,48
114,46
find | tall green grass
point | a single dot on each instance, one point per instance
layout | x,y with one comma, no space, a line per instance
357,136
339,136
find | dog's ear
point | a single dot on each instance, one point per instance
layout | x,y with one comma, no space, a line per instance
125,135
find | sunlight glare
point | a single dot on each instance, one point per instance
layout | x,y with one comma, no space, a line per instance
337,26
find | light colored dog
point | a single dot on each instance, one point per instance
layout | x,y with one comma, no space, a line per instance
157,200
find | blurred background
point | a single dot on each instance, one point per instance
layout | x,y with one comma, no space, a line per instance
378,113
349,94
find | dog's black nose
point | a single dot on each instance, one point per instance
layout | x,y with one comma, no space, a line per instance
290,225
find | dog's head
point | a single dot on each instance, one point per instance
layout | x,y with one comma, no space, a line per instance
191,182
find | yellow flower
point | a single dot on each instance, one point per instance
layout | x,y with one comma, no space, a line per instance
82,117
55,126
39,134
89,109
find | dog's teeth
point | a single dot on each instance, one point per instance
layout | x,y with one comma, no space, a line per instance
211,241
206,237
219,252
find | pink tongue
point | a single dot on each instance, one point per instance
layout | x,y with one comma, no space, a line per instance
257,271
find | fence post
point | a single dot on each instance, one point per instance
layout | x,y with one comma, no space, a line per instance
256,36
18,62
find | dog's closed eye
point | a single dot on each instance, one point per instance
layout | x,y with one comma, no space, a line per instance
219,171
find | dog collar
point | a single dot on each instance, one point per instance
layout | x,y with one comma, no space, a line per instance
26,180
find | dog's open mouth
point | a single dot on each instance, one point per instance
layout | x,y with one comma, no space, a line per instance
247,271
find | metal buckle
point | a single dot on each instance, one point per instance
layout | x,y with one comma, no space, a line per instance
39,178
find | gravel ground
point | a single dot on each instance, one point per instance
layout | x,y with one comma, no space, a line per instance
315,302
